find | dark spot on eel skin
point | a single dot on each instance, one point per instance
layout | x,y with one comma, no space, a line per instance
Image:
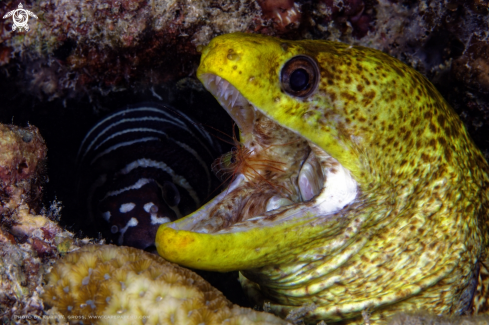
442,142
433,128
348,96
441,120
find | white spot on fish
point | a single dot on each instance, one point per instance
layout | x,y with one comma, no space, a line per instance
147,207
152,209
126,207
133,222
158,221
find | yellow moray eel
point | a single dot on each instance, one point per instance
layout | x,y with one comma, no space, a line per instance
355,188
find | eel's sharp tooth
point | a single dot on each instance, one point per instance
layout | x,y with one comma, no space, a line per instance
222,88
309,182
228,93
305,182
276,202
234,98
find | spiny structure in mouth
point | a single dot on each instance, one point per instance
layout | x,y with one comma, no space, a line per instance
275,172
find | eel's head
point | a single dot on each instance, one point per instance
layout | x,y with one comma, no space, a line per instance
355,185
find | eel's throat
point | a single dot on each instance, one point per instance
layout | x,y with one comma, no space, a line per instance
276,174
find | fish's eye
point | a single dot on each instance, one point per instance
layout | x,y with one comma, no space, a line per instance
300,76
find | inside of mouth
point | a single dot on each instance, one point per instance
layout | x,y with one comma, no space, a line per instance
280,174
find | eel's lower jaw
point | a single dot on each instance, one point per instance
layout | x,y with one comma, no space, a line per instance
324,186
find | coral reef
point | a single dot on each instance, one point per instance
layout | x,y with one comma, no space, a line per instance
100,46
22,154
22,167
347,16
123,285
284,14
28,242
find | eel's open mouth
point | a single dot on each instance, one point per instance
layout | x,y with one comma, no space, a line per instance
276,174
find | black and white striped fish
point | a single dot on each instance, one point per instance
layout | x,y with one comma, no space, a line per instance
141,167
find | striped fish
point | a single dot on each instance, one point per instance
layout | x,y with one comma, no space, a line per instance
141,167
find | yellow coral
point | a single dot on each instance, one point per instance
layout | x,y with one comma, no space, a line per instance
121,285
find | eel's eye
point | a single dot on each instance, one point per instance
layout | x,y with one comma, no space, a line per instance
171,195
300,76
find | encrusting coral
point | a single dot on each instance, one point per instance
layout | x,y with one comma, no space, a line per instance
22,154
30,239
102,46
106,284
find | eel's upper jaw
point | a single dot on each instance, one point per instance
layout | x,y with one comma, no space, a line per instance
231,99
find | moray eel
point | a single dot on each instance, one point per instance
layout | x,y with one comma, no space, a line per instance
140,167
355,187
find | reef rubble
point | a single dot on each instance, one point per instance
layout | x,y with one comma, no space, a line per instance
29,239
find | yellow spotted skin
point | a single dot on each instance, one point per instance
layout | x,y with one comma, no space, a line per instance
415,238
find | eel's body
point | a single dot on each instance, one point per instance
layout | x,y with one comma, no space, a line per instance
356,186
